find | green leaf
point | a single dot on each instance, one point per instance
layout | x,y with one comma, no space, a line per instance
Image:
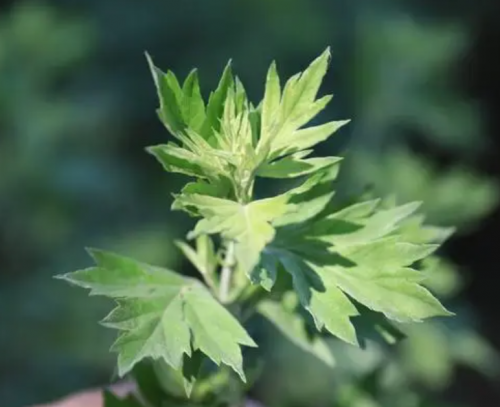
353,252
174,158
224,142
319,294
303,139
169,93
180,108
215,104
161,314
236,140
416,231
293,327
249,225
193,107
295,166
213,142
271,102
195,158
284,113
311,198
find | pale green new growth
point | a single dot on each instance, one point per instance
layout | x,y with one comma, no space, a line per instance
247,224
339,263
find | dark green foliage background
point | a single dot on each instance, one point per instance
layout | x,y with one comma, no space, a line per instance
77,109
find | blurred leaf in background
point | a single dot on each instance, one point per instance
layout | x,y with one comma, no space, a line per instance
412,177
63,186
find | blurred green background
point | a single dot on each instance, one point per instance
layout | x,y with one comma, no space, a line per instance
77,103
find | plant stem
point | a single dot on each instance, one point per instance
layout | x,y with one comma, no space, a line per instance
227,272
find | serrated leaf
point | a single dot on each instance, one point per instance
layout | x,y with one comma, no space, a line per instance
271,101
284,113
213,142
363,254
319,294
215,104
174,158
354,252
310,199
293,327
195,158
416,231
193,107
168,94
236,139
303,139
378,225
161,314
295,166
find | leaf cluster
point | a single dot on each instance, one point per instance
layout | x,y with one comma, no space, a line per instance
307,263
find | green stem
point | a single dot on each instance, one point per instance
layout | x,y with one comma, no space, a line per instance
227,272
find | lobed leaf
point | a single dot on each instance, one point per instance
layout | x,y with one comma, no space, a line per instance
359,252
285,112
162,315
231,139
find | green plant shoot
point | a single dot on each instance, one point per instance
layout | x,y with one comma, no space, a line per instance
312,266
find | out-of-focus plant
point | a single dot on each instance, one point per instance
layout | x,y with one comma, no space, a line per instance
53,160
412,177
42,118
401,78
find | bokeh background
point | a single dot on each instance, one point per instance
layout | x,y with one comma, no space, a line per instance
421,81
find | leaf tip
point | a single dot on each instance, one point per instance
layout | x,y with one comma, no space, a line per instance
93,252
447,313
342,123
326,55
153,150
63,277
